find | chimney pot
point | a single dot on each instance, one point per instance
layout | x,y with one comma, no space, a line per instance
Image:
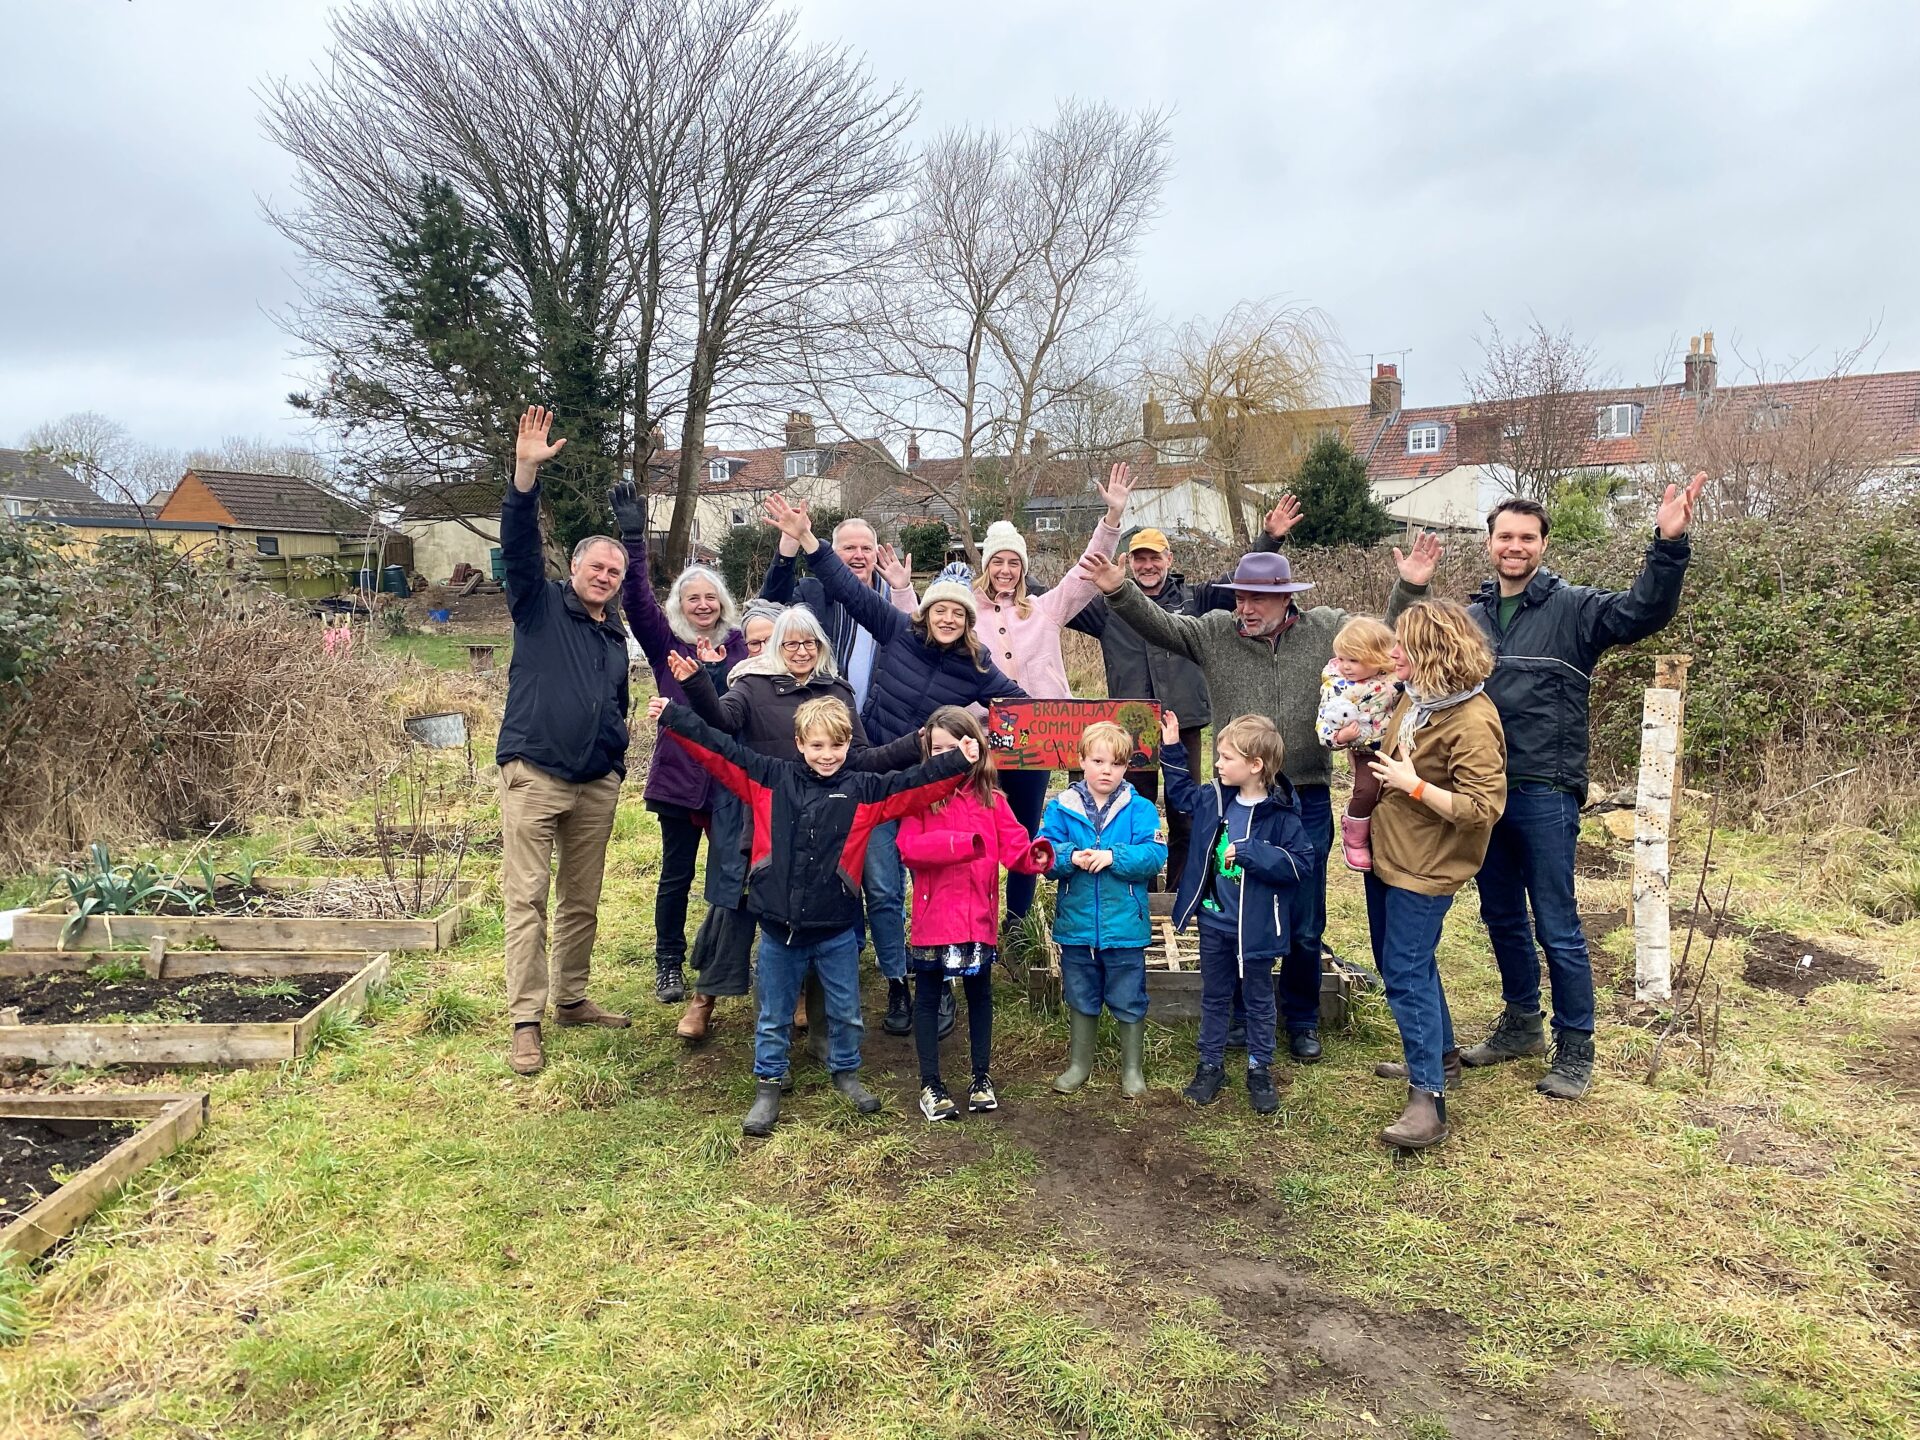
1703,370
913,447
1383,398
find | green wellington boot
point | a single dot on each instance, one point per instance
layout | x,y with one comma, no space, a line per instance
1083,1029
1133,1046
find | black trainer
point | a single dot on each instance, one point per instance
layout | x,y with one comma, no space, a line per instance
669,983
1208,1082
1260,1092
1237,1033
899,1017
1304,1046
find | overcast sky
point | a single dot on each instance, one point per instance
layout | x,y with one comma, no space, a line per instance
1635,171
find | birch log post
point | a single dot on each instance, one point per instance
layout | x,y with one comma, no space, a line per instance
1670,673
1652,863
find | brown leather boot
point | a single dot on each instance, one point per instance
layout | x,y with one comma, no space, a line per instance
525,1057
585,1012
698,1020
1450,1067
1422,1123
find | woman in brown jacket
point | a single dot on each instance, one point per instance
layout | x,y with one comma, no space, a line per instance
1443,765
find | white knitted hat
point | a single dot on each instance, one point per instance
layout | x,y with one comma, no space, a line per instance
954,583
1002,536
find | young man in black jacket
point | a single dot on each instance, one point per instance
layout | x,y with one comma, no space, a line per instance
1547,637
562,753
811,823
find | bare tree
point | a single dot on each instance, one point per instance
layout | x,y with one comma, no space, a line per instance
1537,388
1008,292
1250,386
791,166
106,456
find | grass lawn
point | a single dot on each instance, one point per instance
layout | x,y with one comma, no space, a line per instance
448,651
398,1237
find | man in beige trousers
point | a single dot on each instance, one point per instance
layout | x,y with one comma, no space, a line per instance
562,753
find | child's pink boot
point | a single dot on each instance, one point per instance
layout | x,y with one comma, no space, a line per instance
1355,832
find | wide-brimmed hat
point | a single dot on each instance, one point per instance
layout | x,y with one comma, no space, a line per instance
1266,574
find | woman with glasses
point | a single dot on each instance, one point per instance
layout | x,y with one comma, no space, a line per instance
762,694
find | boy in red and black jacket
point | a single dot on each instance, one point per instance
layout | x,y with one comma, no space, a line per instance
810,824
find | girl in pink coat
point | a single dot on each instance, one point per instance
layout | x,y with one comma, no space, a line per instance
955,854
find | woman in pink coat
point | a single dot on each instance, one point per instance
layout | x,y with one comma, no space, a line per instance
955,854
1021,632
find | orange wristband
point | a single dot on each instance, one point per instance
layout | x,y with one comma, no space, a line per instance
1419,789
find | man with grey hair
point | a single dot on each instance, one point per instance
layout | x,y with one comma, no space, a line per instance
562,753
860,551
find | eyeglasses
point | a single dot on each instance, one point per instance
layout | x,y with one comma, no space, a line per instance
754,647
794,647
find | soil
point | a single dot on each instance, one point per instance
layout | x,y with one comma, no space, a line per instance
1895,1063
30,1151
338,898
360,844
1140,1193
1596,862
1772,962
483,612
69,997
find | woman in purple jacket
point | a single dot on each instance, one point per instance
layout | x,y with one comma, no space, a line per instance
678,791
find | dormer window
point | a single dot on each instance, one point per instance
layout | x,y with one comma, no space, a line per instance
1423,440
719,472
1615,422
802,462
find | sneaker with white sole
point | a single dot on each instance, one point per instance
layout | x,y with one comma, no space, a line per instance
936,1104
980,1096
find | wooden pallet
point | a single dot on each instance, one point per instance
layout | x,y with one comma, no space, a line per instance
172,1120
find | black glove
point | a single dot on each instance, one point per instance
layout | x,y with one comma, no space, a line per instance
629,510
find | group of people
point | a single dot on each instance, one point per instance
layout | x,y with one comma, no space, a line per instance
825,741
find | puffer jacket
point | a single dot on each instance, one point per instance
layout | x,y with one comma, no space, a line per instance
1027,647
911,677
956,854
808,885
784,587
672,779
1107,909
1543,672
1275,859
758,711
567,685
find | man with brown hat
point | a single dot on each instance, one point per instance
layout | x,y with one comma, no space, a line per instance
1265,658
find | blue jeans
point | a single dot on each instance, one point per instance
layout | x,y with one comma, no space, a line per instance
1219,974
1307,919
835,959
1405,928
1026,792
884,887
1109,975
1526,889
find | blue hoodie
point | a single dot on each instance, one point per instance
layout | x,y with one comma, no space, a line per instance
1275,858
1108,909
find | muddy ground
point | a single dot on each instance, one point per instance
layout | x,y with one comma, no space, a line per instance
31,1150
69,997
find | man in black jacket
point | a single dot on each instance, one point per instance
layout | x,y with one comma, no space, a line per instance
1547,636
562,753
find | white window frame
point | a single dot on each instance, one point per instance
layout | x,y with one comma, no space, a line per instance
740,516
1424,440
719,472
1046,522
802,463
1607,420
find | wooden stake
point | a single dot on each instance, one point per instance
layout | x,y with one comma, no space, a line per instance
156,959
1652,860
1670,673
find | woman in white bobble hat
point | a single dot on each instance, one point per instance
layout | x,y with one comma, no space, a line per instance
1021,633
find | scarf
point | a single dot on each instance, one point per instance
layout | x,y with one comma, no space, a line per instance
1425,709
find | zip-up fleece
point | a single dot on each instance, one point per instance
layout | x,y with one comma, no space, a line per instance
1107,909
808,885
1275,857
956,854
567,686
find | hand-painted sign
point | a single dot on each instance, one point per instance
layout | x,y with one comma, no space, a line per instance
1045,734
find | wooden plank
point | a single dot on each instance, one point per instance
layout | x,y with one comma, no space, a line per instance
1171,939
183,963
177,1119
41,929
348,1001
1652,860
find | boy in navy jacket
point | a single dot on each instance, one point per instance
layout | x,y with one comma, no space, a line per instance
1247,853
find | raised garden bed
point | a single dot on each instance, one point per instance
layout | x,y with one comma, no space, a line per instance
71,1007
98,1141
273,912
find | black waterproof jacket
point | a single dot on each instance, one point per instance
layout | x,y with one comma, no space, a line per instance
809,832
567,685
1543,671
1139,671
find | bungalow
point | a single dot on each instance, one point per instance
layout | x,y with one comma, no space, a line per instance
298,537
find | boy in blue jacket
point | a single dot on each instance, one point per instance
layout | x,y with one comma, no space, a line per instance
1247,853
1106,845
